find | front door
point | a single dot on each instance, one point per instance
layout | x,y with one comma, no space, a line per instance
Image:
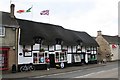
82,58
52,60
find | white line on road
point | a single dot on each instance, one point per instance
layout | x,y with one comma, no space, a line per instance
57,74
95,73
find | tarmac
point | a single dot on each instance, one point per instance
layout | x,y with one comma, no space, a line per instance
48,72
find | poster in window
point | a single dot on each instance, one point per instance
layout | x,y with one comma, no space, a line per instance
77,58
41,59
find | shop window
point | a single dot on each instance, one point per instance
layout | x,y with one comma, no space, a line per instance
57,57
93,57
39,57
2,31
60,57
4,59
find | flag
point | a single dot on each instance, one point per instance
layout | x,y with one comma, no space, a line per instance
20,11
44,12
23,11
29,10
114,46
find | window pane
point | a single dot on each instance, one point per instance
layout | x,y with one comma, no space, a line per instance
2,31
57,57
39,57
61,56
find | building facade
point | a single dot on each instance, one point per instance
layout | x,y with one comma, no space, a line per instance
40,40
108,47
8,36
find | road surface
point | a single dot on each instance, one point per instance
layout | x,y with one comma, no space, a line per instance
107,71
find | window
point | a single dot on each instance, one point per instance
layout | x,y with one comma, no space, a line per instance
38,40
2,31
77,58
39,57
57,57
58,41
60,56
27,51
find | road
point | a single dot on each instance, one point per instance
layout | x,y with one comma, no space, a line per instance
107,71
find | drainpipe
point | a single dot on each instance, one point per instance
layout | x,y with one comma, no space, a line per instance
16,45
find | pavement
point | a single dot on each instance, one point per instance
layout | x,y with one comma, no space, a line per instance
48,72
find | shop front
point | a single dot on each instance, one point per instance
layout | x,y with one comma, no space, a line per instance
4,58
37,54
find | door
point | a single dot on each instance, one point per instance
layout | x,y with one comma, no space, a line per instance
82,58
52,60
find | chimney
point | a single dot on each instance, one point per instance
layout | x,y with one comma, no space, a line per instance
12,6
99,33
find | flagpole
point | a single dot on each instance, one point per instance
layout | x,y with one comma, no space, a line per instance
49,15
32,12
10,1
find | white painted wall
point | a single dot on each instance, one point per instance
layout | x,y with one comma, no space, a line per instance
74,49
69,58
69,50
21,58
86,58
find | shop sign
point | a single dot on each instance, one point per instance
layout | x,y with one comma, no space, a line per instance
62,65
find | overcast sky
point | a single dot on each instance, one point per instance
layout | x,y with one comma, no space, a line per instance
80,15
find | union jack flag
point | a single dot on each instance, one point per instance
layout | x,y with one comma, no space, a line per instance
44,12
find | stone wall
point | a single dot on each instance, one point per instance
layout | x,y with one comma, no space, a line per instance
104,50
9,41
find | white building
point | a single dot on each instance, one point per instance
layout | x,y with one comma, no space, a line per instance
40,40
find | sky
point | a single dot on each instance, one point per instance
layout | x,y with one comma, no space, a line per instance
79,15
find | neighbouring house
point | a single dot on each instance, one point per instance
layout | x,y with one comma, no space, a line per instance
108,47
40,40
8,39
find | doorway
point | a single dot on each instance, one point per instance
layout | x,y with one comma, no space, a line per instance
52,60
